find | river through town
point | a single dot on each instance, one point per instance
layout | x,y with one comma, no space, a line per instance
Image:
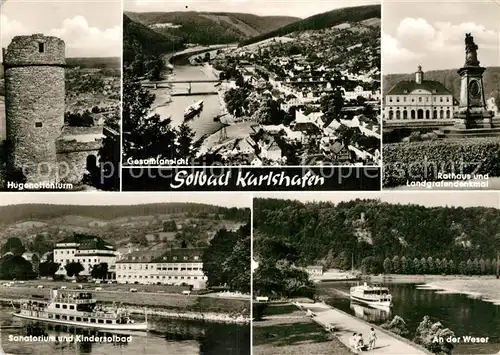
203,123
167,337
464,315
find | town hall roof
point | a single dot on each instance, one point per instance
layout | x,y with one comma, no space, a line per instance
85,242
404,87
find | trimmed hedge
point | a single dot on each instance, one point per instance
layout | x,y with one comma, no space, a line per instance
423,161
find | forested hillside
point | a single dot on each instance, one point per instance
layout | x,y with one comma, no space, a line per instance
323,20
330,234
94,63
209,27
138,38
36,212
451,80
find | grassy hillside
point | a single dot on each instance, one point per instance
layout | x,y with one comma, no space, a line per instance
330,234
153,226
208,27
451,80
324,20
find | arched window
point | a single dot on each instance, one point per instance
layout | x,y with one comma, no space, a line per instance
391,115
448,114
427,114
405,115
441,114
434,114
412,114
398,115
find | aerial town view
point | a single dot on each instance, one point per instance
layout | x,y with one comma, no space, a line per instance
376,273
205,84
60,97
441,122
150,275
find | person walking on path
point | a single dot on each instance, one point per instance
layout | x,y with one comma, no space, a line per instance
371,339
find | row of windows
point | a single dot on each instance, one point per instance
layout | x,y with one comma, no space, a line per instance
67,261
173,258
80,319
167,268
431,107
150,267
62,252
180,269
420,99
73,251
65,306
419,114
157,277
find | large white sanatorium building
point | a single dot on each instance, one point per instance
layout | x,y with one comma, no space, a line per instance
175,267
419,99
86,250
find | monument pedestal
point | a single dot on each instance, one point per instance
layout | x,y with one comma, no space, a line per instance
471,120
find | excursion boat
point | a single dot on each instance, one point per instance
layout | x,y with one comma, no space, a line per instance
193,110
376,296
77,309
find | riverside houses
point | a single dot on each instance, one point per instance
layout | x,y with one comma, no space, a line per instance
86,250
181,266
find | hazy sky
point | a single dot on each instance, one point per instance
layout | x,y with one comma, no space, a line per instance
432,33
226,199
295,8
434,198
90,29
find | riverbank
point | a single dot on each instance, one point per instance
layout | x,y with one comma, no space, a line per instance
399,278
210,309
232,133
485,289
285,330
345,325
210,317
201,317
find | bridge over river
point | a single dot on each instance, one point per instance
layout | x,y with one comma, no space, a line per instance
176,91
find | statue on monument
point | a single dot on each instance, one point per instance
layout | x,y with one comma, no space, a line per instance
470,51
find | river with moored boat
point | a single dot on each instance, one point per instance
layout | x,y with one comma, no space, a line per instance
173,107
167,336
459,307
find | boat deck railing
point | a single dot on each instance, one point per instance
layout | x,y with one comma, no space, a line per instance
74,300
102,315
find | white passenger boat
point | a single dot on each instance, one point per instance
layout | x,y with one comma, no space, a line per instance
77,309
193,110
375,296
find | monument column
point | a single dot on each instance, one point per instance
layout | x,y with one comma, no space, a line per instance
472,112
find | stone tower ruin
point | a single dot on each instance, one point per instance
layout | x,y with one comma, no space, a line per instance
34,105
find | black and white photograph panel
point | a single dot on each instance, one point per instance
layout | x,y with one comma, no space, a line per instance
441,84
128,274
376,273
60,95
251,83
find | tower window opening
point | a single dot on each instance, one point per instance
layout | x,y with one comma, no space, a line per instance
38,124
41,47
